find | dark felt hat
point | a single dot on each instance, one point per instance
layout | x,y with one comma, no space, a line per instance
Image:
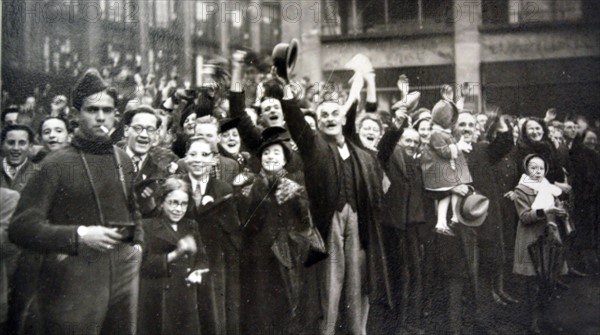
276,135
228,124
90,83
187,111
472,209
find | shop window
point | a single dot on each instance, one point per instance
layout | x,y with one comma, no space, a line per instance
164,13
236,23
532,11
383,16
207,16
117,10
270,26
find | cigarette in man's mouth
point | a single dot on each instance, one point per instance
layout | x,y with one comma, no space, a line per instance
104,129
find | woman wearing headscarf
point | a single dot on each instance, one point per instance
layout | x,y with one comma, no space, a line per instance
535,140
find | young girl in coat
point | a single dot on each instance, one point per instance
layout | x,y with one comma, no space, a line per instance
443,164
174,262
535,202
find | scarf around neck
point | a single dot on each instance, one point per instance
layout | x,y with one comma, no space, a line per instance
545,192
94,145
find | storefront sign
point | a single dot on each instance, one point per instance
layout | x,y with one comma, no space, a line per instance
530,46
390,53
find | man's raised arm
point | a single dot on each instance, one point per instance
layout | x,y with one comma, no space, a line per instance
250,134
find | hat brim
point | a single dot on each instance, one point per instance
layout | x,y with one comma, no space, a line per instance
469,223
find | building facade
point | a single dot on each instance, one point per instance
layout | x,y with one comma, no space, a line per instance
55,40
522,55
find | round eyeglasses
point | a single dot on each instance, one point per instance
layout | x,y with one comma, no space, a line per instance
140,129
174,204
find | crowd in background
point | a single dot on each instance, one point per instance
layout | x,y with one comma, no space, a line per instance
255,205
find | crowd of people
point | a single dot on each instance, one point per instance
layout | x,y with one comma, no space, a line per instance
286,210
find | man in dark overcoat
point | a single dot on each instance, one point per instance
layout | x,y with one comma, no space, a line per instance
345,194
80,213
403,202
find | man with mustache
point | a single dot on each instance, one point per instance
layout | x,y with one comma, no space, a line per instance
481,156
344,186
79,212
17,168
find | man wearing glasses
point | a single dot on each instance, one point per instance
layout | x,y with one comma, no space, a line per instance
80,213
140,131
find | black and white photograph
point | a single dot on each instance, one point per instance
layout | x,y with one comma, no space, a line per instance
311,167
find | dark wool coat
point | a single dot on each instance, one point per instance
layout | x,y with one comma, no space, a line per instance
479,160
321,166
168,304
150,170
64,200
276,288
403,202
585,179
507,176
219,226
60,198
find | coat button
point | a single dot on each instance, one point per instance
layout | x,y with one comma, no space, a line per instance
167,286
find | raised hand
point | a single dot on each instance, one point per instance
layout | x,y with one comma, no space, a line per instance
463,146
550,115
187,245
195,277
239,56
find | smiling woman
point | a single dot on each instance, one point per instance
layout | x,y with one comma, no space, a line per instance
369,130
535,139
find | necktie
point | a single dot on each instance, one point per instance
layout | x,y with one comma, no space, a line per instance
197,195
136,163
